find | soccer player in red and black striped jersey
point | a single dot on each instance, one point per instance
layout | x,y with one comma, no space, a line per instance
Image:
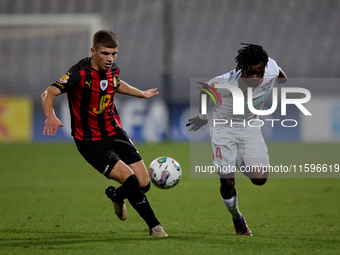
91,85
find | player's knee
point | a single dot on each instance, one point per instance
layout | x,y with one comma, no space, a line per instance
259,181
227,183
120,172
146,188
143,181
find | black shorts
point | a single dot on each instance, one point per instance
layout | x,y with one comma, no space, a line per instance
104,154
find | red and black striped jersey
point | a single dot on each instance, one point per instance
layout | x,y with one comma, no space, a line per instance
90,95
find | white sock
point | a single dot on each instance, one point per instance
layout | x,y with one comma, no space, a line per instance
232,206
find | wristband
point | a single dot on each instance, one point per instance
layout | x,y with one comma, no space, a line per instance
202,117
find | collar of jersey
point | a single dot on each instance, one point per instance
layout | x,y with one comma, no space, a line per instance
243,78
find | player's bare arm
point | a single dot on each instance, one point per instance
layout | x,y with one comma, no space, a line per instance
47,101
282,78
200,120
129,90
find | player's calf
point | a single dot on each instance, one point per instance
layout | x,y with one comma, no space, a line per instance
138,200
227,188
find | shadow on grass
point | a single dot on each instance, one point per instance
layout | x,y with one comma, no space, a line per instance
68,240
26,238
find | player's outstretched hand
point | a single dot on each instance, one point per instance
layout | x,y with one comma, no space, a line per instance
196,123
150,93
51,126
281,80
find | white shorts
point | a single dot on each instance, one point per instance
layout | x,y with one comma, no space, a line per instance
246,141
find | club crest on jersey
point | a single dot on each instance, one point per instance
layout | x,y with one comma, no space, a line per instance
104,84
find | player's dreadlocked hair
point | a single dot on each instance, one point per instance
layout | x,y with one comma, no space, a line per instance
250,54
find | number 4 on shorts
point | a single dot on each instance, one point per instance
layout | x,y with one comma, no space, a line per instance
217,153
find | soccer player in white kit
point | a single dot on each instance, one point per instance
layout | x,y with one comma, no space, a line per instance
237,140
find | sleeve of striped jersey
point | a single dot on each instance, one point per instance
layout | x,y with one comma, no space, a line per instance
115,73
69,81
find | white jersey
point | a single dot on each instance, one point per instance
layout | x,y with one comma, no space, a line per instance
259,96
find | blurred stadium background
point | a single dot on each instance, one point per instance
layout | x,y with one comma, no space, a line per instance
55,203
163,44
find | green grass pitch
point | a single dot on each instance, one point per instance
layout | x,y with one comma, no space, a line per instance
53,202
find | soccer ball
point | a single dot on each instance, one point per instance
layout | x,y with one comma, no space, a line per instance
165,172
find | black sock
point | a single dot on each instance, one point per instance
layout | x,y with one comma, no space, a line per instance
139,201
146,188
120,194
